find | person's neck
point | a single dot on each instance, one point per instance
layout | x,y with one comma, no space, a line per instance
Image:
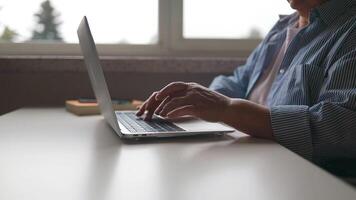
304,13
303,18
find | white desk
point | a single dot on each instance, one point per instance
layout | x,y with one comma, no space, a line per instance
51,154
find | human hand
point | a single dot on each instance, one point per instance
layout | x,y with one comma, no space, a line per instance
181,99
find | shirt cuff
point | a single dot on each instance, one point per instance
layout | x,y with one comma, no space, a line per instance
291,128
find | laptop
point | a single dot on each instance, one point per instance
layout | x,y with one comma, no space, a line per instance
125,123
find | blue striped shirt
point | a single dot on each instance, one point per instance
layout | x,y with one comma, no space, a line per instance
312,100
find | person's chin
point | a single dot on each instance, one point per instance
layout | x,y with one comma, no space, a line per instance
296,5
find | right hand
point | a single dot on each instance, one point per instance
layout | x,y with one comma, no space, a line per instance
179,99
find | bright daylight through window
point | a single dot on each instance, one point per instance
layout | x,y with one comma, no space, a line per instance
112,21
136,21
231,19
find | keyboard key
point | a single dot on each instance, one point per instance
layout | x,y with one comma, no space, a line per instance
135,124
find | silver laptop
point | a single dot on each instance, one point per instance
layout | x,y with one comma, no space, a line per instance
125,123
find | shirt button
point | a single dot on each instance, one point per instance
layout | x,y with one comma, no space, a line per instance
281,71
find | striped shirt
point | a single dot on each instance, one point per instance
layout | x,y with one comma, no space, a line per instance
312,100
262,87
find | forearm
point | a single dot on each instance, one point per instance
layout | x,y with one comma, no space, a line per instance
248,117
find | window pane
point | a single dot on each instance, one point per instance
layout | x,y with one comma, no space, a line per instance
230,19
111,21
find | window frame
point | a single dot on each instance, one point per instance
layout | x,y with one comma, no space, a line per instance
170,43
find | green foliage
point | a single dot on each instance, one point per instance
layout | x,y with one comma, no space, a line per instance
47,28
8,35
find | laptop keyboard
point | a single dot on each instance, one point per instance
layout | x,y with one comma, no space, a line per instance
136,124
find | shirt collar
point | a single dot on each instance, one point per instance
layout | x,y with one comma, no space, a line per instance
292,18
331,10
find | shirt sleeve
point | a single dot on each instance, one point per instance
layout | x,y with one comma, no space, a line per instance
235,86
327,130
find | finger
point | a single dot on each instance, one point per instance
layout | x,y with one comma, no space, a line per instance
171,89
183,111
143,107
176,103
164,102
151,106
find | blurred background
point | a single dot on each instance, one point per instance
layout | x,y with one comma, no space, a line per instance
134,21
143,44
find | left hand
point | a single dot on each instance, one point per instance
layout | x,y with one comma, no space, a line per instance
181,99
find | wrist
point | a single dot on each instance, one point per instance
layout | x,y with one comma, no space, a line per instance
248,117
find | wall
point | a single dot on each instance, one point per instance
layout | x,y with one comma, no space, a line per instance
45,82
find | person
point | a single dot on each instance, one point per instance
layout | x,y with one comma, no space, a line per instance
298,87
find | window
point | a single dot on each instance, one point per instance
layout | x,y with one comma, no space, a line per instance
138,27
230,19
112,21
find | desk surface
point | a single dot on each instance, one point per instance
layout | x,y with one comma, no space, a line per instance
51,154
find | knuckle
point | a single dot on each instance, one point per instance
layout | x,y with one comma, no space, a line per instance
174,84
179,82
153,95
191,83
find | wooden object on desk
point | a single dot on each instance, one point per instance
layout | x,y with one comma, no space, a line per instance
79,108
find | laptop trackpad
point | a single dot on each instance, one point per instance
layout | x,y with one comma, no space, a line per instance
198,125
